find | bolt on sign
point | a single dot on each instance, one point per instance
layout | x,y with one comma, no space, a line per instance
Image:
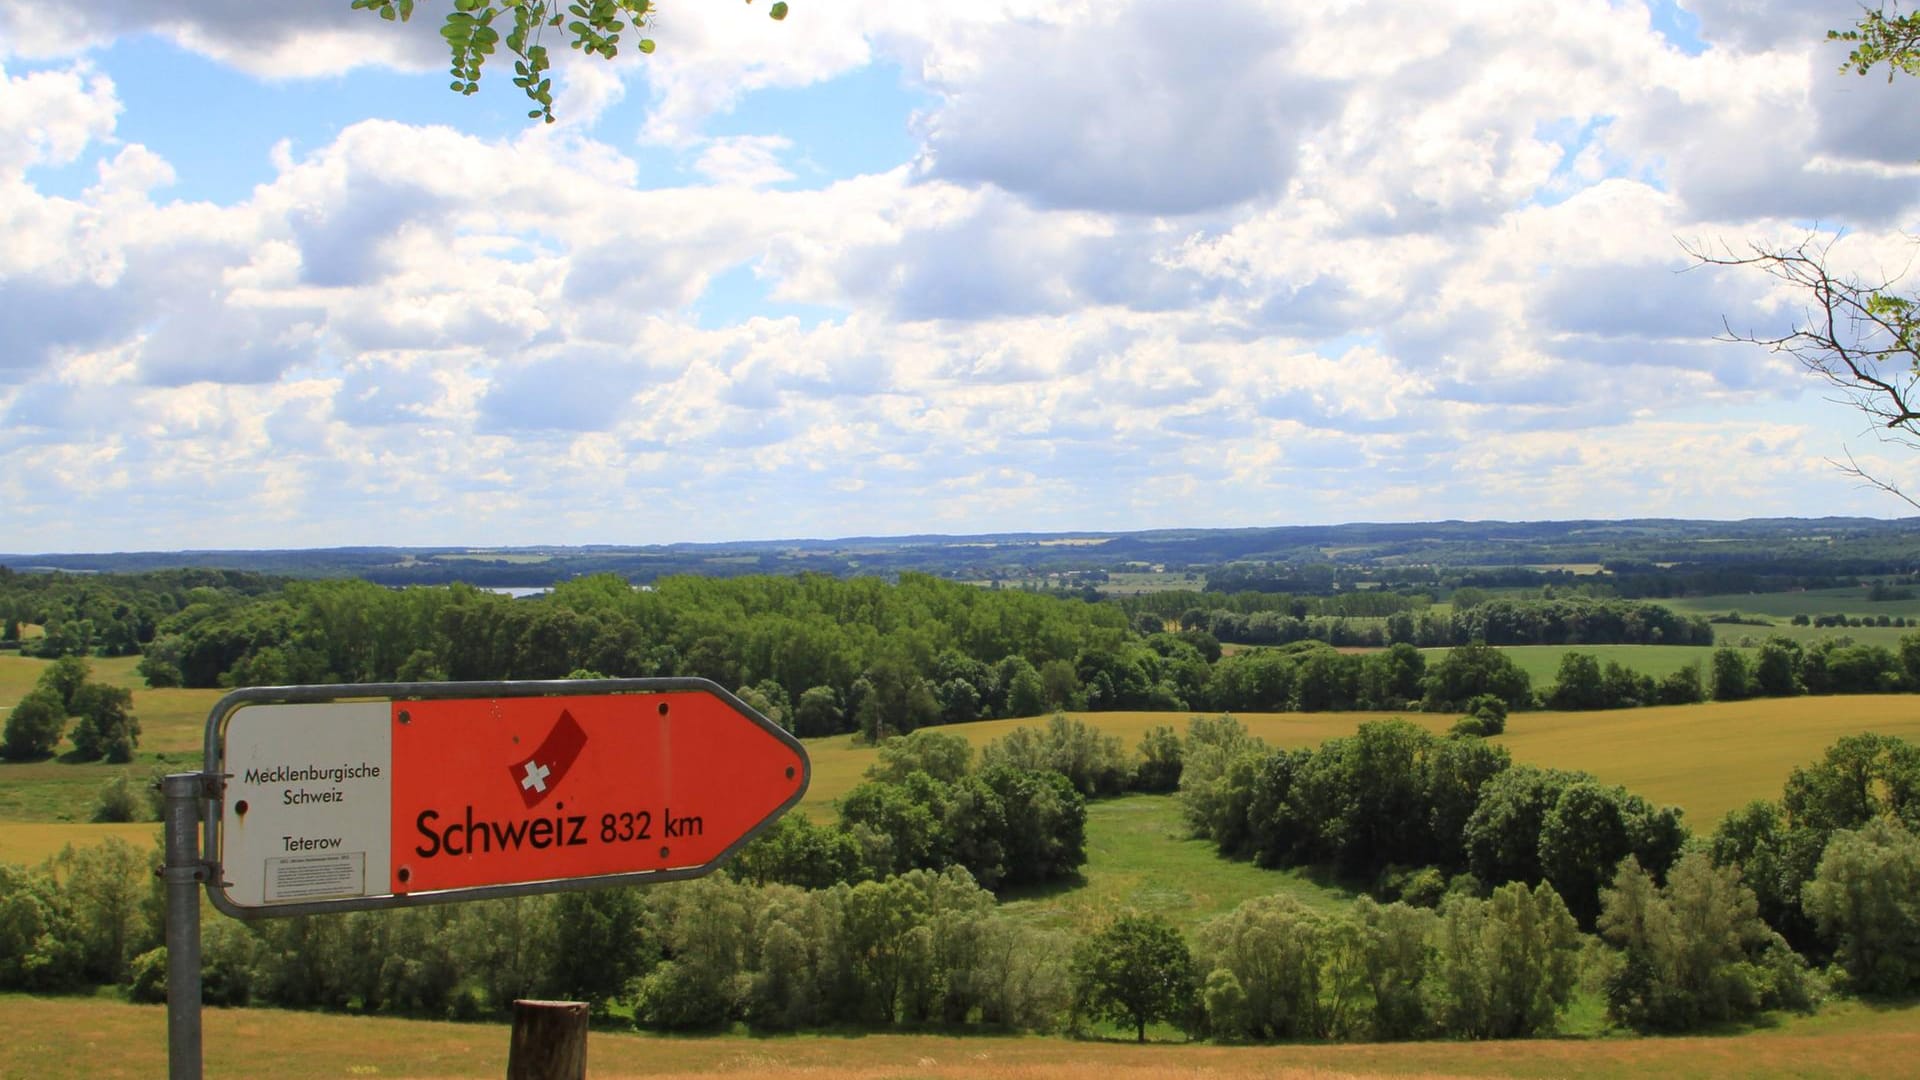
351,797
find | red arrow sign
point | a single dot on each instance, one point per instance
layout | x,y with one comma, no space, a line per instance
500,791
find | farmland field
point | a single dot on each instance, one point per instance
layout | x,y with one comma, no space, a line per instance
1885,636
30,843
1785,605
61,1038
1711,758
1707,759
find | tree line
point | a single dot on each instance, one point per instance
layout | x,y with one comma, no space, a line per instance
1607,892
107,614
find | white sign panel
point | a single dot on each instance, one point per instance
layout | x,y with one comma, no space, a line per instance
308,812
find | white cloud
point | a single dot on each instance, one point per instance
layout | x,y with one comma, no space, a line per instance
745,160
1134,108
1238,265
266,38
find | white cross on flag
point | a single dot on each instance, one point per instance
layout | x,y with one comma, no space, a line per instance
537,774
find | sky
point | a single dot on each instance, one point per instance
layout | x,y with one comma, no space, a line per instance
888,268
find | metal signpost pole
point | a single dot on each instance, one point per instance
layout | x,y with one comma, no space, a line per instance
184,872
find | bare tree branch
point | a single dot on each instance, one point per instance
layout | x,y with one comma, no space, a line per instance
1858,338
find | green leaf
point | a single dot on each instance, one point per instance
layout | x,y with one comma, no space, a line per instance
778,11
646,46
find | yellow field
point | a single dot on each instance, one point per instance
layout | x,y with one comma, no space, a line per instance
1707,759
54,1038
32,842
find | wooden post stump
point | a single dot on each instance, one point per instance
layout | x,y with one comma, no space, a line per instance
549,1041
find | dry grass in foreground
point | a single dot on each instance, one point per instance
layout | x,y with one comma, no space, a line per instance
81,1037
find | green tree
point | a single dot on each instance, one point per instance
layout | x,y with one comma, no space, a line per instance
1776,668
1277,970
108,885
1508,964
1456,770
1046,830
40,946
1860,778
601,944
1160,756
898,700
817,713
1503,833
1470,670
1732,675
107,727
1135,971
795,851
117,802
1578,685
1062,684
1026,692
1092,760
1399,954
1590,828
1694,951
943,756
64,677
34,726
1865,898
1683,687
709,928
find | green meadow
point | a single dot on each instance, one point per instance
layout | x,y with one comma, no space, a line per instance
1542,662
1140,857
57,1038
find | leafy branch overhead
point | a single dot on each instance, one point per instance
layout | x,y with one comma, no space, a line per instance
471,35
1880,38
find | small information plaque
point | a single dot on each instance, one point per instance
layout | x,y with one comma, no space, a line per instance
316,877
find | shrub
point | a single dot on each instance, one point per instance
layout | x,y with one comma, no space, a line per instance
117,801
147,977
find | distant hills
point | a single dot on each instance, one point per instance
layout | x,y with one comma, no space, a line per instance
1839,545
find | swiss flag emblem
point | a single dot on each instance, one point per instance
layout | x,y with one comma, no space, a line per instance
540,772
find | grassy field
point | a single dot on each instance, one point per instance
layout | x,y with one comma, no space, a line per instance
61,1038
54,792
1140,857
1542,662
1785,605
1738,635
